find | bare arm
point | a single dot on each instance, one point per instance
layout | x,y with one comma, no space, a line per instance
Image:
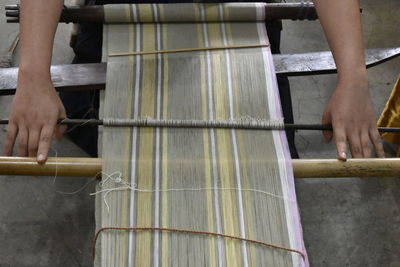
350,108
36,105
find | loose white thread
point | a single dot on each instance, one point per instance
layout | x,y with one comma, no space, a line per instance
56,173
56,159
116,178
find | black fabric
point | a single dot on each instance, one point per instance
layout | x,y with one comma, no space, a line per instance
88,49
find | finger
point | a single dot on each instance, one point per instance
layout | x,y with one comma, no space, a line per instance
59,131
377,142
33,142
22,141
44,143
326,119
365,144
12,131
341,143
355,145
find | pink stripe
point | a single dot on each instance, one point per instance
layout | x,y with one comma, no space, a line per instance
290,177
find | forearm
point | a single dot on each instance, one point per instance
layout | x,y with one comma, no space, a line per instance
341,22
350,109
38,24
36,105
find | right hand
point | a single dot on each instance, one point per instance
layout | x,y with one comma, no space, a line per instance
350,111
33,117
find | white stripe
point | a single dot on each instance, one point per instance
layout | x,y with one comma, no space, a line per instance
134,139
212,137
157,160
234,142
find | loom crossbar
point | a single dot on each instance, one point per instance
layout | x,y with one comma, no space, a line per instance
302,168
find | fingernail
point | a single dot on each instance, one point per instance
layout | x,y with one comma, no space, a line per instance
343,156
40,157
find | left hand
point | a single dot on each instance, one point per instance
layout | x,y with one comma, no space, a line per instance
350,112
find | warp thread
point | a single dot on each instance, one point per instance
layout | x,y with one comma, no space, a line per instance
241,123
191,232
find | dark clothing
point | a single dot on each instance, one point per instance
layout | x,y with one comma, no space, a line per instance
88,49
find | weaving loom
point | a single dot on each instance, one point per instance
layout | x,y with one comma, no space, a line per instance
195,166
222,181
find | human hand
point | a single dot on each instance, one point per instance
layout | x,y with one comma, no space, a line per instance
33,117
350,112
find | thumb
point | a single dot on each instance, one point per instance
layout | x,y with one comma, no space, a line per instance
327,119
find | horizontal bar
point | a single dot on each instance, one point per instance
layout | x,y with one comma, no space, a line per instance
70,77
325,168
95,14
302,168
82,167
219,124
93,76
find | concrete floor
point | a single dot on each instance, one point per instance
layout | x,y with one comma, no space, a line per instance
346,222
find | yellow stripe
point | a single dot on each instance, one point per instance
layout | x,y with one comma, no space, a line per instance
145,13
247,200
207,159
145,157
228,198
211,11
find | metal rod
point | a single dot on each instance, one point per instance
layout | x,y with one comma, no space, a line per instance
142,123
302,168
95,14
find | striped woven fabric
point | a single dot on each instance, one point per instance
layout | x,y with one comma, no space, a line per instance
224,181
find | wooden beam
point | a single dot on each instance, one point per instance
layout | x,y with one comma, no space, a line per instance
95,13
64,77
302,168
93,76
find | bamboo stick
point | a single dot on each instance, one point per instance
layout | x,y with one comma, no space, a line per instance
302,168
325,168
87,167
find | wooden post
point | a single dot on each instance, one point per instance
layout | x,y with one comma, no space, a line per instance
302,168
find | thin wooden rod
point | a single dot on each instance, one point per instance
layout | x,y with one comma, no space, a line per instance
302,168
139,123
182,50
